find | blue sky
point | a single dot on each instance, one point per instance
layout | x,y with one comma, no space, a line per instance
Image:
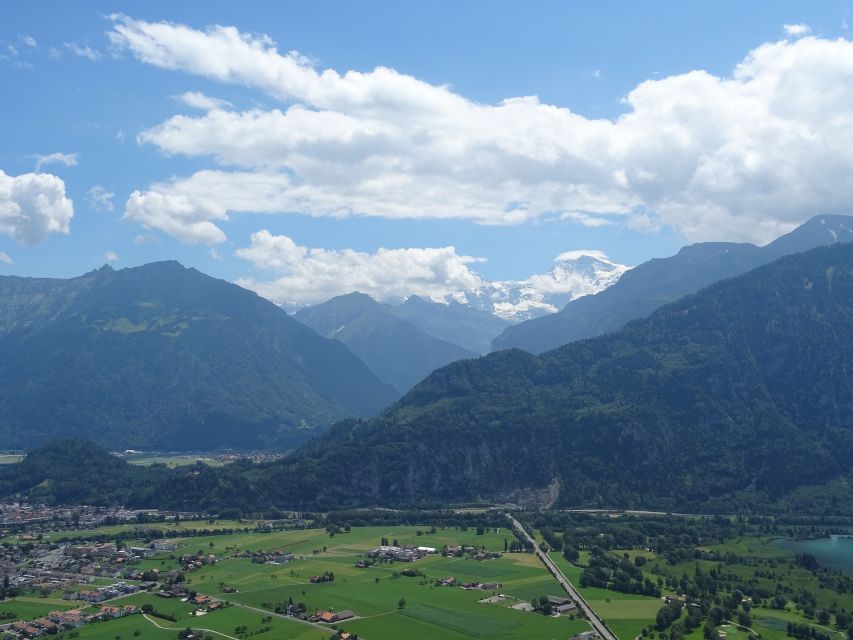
694,164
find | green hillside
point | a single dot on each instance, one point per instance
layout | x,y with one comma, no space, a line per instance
163,357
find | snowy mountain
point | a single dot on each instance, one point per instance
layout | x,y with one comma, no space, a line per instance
659,281
575,274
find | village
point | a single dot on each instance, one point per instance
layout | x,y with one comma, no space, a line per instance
177,571
69,572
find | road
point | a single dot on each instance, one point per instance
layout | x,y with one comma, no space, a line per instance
156,624
594,620
282,616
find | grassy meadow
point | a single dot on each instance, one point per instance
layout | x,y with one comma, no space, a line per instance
386,603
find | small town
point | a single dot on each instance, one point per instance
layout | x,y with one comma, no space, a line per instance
77,567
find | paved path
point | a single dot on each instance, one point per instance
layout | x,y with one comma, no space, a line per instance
593,618
283,617
219,633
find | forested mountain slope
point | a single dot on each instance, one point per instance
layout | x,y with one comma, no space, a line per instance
738,398
163,357
657,282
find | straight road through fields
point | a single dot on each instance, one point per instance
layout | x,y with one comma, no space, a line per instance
569,588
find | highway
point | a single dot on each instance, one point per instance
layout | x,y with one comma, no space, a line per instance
594,620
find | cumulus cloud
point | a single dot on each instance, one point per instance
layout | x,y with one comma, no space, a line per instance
5,259
797,30
33,206
187,219
198,100
303,275
100,199
67,159
110,257
746,156
29,41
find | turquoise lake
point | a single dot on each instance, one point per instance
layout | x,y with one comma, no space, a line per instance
835,552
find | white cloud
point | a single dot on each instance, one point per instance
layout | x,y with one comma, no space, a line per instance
5,259
746,156
33,206
29,41
581,253
198,100
100,199
67,159
187,219
110,257
83,51
304,275
140,239
797,30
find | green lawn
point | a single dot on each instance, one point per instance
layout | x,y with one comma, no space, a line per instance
625,614
173,461
374,593
29,607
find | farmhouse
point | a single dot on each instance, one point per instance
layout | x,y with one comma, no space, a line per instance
561,605
331,617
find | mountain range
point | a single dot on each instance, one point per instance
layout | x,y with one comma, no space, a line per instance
734,399
396,350
164,357
657,282
574,274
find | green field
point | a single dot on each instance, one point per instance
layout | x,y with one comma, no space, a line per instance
27,608
10,458
758,557
374,594
173,461
625,614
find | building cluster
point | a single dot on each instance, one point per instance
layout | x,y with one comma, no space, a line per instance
459,551
15,515
59,567
331,617
57,621
29,519
107,593
405,553
192,562
267,557
562,605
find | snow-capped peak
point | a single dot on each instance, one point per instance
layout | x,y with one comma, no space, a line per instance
574,274
577,254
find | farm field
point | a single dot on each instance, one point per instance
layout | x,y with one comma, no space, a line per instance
173,461
10,458
375,594
625,614
387,604
29,607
